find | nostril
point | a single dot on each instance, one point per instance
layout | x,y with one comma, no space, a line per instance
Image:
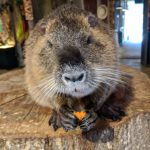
73,77
80,78
67,79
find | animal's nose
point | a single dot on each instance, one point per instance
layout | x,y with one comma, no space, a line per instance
74,77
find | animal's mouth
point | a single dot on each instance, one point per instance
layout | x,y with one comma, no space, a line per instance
79,93
76,90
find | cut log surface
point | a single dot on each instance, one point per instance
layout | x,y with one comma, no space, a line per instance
24,124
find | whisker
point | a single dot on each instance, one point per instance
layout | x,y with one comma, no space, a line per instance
104,82
92,84
30,110
48,87
2,104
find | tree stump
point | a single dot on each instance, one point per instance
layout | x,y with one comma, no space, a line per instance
24,125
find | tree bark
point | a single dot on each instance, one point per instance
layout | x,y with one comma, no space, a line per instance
24,125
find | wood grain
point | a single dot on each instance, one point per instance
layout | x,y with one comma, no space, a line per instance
24,125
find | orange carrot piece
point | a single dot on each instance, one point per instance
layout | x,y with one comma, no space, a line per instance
80,115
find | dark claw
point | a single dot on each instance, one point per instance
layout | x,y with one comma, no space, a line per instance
122,113
55,127
89,121
65,129
51,120
115,117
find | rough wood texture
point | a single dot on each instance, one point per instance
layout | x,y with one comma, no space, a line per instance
24,125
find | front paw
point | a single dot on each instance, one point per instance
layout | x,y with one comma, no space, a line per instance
55,121
111,112
67,118
89,121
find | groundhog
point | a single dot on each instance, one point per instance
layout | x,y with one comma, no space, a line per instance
72,64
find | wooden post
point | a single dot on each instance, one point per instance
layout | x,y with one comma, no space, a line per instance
145,58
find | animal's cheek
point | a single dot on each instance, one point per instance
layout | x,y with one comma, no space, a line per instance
93,58
48,65
92,54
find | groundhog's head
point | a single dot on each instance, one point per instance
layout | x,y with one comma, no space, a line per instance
74,52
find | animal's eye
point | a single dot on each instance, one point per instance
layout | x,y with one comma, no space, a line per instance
49,44
89,40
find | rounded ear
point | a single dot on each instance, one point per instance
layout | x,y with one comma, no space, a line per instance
43,27
92,20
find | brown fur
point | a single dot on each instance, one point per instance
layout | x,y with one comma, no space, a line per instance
68,26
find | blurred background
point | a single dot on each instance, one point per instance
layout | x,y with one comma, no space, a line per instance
130,20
